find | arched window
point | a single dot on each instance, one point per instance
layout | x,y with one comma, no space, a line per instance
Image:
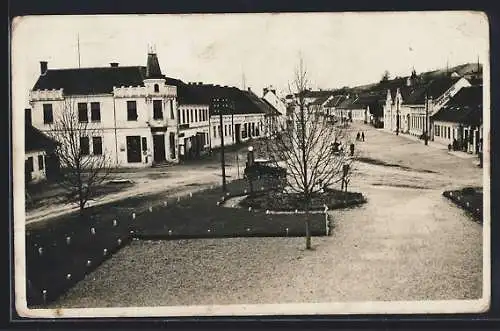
157,88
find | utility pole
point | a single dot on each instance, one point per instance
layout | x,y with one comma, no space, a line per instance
426,133
220,105
397,113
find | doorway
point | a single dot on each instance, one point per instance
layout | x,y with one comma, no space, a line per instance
133,149
159,148
237,131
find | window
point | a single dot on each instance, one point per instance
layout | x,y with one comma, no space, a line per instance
157,110
230,130
215,132
95,111
449,133
183,116
219,129
172,110
132,111
97,145
40,162
225,130
84,146
27,116
48,116
83,115
157,88
144,144
29,164
437,130
192,115
200,112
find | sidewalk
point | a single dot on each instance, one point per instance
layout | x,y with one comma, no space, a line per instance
435,145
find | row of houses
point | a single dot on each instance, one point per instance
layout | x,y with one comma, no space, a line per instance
144,117
444,105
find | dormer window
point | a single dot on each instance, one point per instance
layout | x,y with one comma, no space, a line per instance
157,88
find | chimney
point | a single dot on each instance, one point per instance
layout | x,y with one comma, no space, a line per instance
264,91
43,67
27,116
114,64
249,89
273,90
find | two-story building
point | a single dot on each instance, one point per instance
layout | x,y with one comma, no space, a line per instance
409,108
133,109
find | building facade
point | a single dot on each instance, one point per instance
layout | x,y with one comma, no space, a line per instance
408,109
132,109
138,117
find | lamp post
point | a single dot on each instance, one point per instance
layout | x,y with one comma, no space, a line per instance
250,160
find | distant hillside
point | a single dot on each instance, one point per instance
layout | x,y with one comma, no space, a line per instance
463,70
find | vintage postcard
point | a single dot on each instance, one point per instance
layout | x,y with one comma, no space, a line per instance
251,164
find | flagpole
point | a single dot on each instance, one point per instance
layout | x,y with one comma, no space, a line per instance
78,46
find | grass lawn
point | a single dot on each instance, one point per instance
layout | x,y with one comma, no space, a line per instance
55,263
469,199
273,200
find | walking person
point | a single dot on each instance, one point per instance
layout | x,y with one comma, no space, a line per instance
357,136
352,149
363,136
480,152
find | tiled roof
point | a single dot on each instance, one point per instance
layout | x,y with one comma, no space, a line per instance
272,111
35,140
320,100
242,99
335,101
186,94
465,107
435,88
467,96
84,81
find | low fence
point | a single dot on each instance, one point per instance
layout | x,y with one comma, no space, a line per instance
63,252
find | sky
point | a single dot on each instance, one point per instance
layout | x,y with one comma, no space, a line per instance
338,49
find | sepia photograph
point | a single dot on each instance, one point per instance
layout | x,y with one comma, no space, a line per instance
251,164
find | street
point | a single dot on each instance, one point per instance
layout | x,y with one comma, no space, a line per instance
407,243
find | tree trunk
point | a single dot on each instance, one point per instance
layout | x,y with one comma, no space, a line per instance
308,227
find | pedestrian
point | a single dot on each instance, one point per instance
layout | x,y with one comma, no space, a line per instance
363,136
481,152
352,149
357,136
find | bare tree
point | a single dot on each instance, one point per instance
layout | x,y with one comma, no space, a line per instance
81,172
385,76
313,150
